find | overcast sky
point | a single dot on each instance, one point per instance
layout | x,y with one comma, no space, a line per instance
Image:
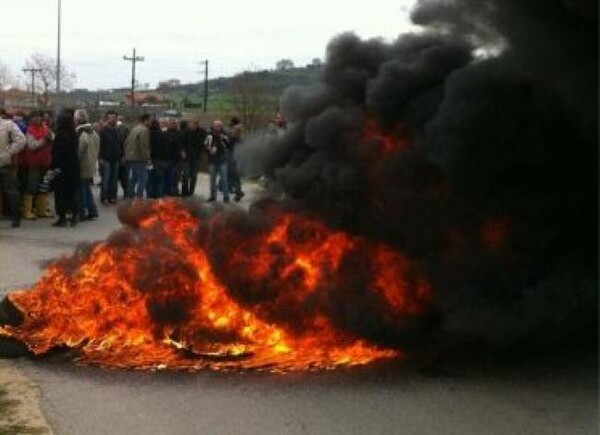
175,35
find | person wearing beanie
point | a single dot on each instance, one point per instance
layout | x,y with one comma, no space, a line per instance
88,149
65,166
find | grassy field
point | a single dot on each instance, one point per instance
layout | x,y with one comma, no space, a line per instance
268,85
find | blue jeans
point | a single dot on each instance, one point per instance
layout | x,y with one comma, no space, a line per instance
110,177
86,199
137,177
219,167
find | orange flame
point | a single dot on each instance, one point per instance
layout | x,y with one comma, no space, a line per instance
150,297
388,142
494,232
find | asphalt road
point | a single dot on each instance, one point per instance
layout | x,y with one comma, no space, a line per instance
550,397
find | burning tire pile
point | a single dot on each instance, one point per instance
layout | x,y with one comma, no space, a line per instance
443,185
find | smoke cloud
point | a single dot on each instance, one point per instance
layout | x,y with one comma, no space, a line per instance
469,146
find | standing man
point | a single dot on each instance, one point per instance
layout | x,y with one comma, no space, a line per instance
217,146
159,157
65,166
235,135
193,145
88,149
111,146
137,157
123,129
174,146
12,142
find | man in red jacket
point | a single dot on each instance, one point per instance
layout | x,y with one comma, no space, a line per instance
36,161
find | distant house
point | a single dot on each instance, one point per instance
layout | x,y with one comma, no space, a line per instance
16,99
171,83
108,104
147,98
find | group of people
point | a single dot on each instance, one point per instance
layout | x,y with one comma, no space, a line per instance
156,158
165,159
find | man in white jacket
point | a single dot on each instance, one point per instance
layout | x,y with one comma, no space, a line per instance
12,142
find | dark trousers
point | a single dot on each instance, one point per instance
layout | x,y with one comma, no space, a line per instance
171,179
33,177
110,178
235,182
9,185
157,184
66,198
86,198
190,176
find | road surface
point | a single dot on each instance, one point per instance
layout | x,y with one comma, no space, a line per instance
550,397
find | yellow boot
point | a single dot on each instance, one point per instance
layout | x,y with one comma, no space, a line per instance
28,207
42,206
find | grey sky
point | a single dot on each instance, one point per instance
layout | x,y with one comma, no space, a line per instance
175,35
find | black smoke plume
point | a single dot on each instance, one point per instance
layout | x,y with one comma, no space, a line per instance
493,190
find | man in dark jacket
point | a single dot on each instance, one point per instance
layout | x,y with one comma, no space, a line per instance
123,130
111,152
174,145
158,156
193,146
66,169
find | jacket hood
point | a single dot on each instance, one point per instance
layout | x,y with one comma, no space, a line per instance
84,128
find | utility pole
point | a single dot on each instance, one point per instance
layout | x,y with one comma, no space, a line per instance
32,71
58,51
133,59
205,84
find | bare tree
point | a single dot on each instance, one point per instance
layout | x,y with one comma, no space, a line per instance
6,79
284,64
252,99
47,75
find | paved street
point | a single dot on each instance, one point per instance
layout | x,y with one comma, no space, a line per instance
549,398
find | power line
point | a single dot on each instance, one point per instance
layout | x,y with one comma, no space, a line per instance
133,59
32,71
58,51
205,84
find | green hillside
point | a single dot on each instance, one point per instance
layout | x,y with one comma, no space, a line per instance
254,96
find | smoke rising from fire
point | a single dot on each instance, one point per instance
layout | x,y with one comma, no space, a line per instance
443,185
491,187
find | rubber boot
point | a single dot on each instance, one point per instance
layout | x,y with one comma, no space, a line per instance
28,207
42,206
